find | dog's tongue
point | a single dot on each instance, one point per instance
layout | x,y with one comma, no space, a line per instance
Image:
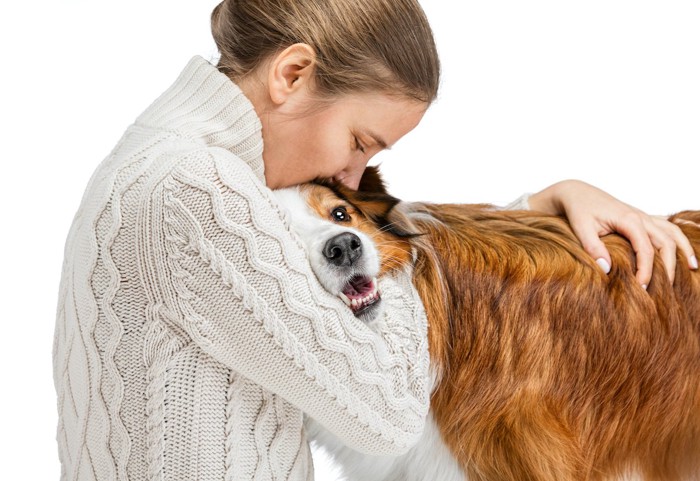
358,287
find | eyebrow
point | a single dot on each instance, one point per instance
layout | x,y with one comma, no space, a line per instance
378,140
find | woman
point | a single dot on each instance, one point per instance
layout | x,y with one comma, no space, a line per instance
191,334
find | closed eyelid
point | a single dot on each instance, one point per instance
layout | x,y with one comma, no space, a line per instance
358,144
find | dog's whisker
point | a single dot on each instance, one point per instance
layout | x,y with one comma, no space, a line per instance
387,227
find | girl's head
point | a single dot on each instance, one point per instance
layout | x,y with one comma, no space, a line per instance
330,79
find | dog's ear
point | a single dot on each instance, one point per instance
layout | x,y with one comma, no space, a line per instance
376,203
380,208
372,182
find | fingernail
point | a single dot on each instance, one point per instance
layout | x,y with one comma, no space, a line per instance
603,264
694,262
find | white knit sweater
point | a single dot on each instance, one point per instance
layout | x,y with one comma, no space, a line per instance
191,333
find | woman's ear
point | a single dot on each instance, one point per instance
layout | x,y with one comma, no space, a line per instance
291,70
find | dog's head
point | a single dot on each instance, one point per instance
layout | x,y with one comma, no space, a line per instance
350,237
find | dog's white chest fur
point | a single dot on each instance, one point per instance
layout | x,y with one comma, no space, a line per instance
428,460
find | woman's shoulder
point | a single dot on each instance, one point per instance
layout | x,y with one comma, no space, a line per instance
151,155
217,168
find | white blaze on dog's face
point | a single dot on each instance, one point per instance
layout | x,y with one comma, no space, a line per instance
344,259
342,241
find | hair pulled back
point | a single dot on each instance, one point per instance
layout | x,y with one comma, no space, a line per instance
361,45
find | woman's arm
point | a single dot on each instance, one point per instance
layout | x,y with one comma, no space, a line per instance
222,265
594,213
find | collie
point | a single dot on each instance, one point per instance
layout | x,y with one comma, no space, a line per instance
545,368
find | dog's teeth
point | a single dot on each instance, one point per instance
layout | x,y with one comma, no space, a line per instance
358,303
345,299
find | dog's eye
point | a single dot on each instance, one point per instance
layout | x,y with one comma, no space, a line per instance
339,214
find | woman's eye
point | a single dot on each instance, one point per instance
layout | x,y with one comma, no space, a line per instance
359,146
339,214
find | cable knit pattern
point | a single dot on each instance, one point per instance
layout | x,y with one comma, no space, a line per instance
293,298
190,331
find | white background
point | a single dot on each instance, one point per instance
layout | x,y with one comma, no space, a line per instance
533,92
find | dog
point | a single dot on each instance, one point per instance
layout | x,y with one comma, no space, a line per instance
544,368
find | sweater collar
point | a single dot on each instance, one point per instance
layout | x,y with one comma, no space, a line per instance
205,105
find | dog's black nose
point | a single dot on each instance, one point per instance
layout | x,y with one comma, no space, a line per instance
343,249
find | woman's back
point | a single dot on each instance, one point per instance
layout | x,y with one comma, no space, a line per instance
155,400
168,285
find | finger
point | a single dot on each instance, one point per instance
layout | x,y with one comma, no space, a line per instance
634,230
666,246
679,239
588,236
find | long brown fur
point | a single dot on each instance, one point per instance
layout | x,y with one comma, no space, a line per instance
550,369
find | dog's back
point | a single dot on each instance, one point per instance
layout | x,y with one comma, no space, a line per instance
552,370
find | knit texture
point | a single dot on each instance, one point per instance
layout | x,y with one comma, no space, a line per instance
521,203
191,333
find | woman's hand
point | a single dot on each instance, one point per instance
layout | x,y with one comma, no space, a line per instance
593,213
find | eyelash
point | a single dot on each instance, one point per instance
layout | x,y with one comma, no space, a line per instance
358,145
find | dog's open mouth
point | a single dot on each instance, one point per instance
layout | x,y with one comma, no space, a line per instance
360,293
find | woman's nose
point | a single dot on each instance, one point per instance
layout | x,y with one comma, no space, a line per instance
353,182
352,178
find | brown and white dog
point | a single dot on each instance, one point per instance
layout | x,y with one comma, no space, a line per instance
545,368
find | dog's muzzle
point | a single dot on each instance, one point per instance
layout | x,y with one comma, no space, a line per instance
360,293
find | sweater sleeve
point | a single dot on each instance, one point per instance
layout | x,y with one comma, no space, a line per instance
521,203
223,266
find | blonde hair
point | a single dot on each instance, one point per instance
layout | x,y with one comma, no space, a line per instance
360,45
